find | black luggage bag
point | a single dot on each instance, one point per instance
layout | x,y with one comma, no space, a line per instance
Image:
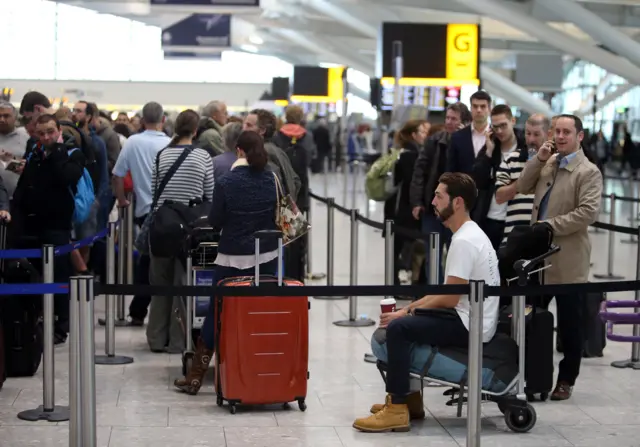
538,369
20,318
594,329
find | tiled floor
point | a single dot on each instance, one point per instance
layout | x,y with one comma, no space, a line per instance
137,406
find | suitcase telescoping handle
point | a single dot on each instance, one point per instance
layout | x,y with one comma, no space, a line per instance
268,234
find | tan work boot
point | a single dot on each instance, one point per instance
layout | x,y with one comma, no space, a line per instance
392,417
414,402
193,381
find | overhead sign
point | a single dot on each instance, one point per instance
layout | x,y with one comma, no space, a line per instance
318,84
206,2
192,55
435,99
200,31
454,54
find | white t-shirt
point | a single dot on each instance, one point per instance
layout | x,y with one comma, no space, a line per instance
499,212
472,257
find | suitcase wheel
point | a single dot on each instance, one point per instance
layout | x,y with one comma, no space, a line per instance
302,405
187,362
219,401
544,397
232,408
520,420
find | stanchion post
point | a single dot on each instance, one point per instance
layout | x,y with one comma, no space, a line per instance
634,361
75,413
188,318
87,366
354,184
476,299
434,258
309,273
389,271
325,174
110,357
122,261
633,212
612,240
129,235
353,320
346,179
330,248
48,411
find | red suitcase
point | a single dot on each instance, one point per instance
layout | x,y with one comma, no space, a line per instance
262,343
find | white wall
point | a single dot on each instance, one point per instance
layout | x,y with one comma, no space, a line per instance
133,95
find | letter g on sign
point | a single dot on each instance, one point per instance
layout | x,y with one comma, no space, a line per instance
461,42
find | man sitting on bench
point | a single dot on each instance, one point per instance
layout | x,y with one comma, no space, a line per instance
470,257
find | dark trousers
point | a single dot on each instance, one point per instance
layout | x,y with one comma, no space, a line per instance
140,303
494,229
571,333
424,330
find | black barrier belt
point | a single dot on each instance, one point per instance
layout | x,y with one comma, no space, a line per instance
371,223
616,228
621,198
266,289
417,235
318,198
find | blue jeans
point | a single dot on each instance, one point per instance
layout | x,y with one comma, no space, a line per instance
431,224
220,273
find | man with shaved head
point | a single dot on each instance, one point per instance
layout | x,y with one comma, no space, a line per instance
209,136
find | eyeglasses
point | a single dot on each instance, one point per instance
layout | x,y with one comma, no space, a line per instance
501,126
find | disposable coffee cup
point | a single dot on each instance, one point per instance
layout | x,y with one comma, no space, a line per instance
388,305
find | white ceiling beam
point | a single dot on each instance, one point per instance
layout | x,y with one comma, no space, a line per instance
505,12
514,93
597,28
323,49
340,15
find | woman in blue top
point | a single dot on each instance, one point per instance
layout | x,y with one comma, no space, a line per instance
244,201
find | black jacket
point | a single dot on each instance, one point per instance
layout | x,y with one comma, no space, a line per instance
44,196
484,174
398,206
461,155
431,164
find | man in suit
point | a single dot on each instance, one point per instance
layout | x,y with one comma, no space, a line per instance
466,143
567,188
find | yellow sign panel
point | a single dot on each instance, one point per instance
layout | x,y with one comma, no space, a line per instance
335,88
462,51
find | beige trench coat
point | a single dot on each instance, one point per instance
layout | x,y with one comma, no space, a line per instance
574,204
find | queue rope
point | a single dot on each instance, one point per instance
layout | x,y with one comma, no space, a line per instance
620,198
36,253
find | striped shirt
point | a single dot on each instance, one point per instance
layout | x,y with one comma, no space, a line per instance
520,208
193,179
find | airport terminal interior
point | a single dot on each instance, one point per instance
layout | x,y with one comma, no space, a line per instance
362,70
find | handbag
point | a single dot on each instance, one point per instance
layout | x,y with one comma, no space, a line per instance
142,240
289,220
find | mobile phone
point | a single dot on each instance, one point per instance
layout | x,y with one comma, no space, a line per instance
14,166
553,146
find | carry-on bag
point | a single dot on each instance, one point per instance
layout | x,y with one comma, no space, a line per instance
594,329
20,319
538,349
262,342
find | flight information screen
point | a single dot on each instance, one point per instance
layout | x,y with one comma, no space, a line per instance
435,99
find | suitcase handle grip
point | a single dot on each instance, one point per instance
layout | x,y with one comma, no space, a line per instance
267,234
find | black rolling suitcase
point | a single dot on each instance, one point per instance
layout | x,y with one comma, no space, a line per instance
20,319
595,330
538,350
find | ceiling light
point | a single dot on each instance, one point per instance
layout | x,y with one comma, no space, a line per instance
256,40
249,48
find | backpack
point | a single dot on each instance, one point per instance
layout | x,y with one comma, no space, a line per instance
379,183
84,196
299,159
86,146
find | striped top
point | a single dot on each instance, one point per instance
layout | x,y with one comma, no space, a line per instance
193,179
520,208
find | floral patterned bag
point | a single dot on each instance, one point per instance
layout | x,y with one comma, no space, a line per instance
289,219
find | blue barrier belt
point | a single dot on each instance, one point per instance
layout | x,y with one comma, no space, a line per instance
65,249
19,254
34,289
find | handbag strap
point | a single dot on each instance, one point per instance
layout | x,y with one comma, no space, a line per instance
278,195
170,173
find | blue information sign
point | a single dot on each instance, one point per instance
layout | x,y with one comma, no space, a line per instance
199,30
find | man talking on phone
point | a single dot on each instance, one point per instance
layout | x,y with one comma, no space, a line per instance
567,188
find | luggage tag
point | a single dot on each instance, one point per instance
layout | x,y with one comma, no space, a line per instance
527,311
